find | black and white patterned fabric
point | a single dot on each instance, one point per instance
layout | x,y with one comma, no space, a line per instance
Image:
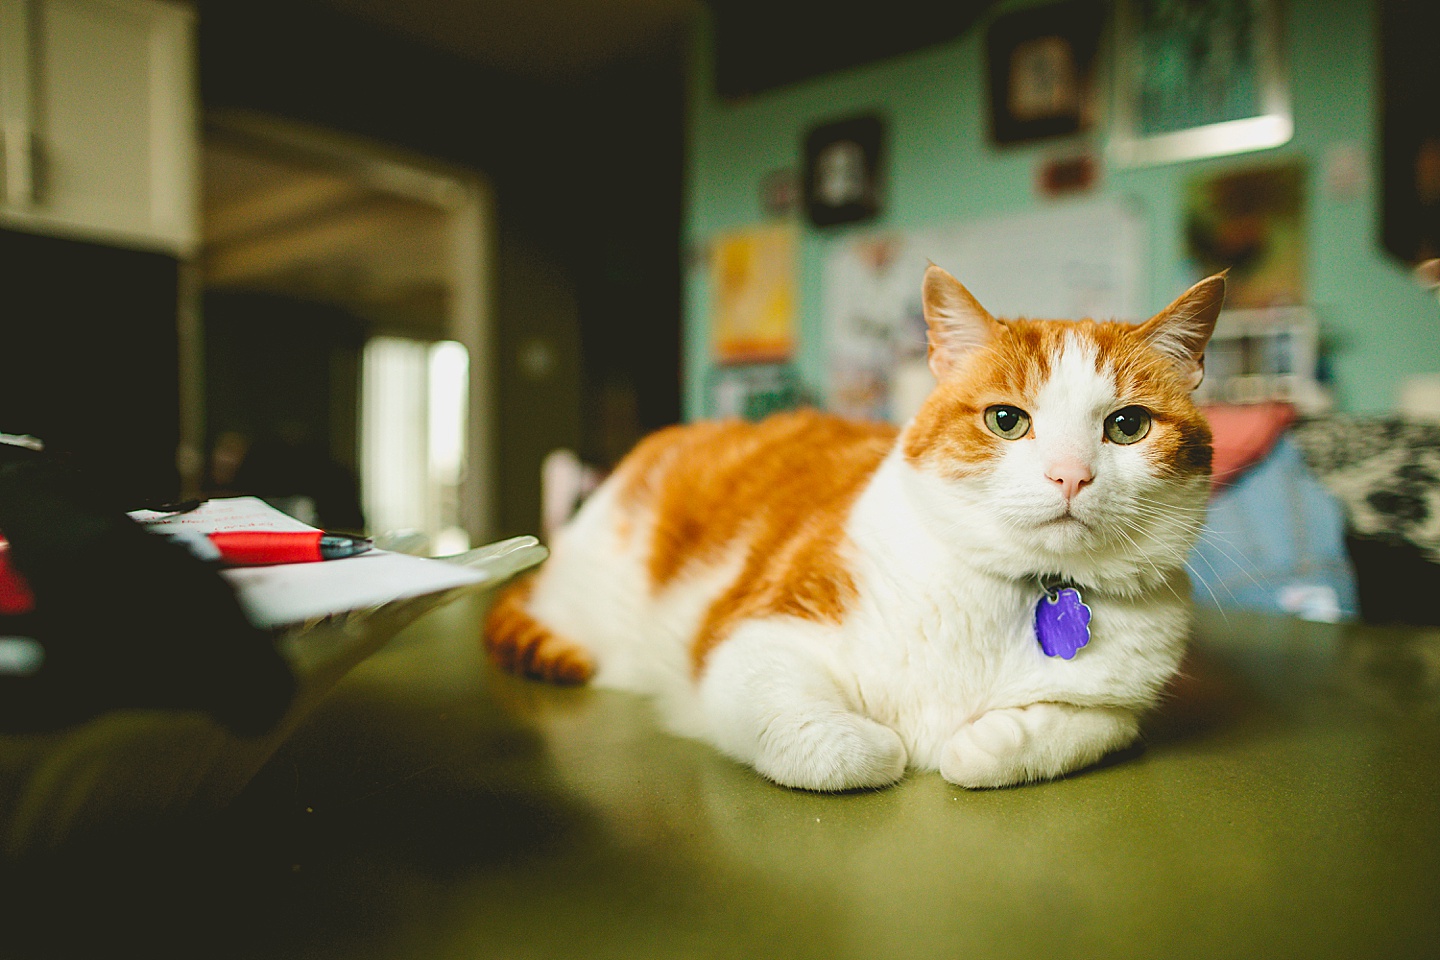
1385,471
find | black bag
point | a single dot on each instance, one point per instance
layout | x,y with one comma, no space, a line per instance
120,618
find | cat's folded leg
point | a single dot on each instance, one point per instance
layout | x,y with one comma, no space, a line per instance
1035,742
771,703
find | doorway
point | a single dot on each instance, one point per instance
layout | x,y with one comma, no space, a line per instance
335,358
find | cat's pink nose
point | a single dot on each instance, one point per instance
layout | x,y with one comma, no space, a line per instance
1071,475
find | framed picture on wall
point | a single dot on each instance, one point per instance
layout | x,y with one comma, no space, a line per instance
752,391
754,295
1042,71
1410,130
1250,221
843,163
1198,78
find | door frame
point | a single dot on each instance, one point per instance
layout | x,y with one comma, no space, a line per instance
469,200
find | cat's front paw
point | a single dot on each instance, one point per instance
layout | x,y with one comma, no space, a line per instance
1035,742
987,752
840,751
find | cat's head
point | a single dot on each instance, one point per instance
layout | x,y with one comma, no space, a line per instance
1067,447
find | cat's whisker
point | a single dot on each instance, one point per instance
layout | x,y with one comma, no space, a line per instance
1171,507
1216,600
1220,543
1159,574
1194,573
1243,572
1179,558
1205,582
1191,569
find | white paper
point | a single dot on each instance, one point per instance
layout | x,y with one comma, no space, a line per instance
290,593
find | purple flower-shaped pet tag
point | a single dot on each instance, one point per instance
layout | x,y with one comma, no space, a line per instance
1062,623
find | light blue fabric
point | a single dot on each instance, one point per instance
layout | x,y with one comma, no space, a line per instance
1275,541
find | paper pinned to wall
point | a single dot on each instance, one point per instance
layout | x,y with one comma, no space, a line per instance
1070,261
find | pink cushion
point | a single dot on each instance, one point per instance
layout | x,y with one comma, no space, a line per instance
1244,435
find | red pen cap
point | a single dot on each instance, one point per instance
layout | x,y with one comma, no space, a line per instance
268,546
16,597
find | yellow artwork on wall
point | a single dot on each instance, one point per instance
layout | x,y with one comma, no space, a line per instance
753,278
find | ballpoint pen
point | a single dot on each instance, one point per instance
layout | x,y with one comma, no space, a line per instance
262,547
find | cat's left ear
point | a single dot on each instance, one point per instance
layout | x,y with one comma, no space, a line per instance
955,322
1181,330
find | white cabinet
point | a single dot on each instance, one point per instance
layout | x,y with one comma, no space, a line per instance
99,119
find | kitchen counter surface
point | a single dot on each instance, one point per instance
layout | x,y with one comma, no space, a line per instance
1285,803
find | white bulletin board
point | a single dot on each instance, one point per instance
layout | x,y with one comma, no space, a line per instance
1069,261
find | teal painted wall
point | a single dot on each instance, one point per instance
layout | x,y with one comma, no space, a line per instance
943,169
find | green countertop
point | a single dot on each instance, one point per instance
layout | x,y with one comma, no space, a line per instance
1286,803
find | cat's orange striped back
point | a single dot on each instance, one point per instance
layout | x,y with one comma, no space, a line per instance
778,490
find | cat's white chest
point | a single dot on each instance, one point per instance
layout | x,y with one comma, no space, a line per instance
935,641
926,655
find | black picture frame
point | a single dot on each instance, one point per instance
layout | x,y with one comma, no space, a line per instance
1410,130
843,170
1043,71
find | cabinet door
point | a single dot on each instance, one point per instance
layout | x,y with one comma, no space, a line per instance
111,123
15,105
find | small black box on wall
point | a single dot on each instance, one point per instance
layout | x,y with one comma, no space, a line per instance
843,162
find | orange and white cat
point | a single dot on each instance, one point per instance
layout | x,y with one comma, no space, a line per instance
834,602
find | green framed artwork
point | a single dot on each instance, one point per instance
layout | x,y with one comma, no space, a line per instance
1198,78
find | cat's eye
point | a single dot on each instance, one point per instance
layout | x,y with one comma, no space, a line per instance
1127,425
1006,421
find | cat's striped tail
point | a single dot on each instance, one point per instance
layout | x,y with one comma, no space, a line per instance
519,643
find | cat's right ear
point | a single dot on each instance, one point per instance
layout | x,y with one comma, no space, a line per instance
955,322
